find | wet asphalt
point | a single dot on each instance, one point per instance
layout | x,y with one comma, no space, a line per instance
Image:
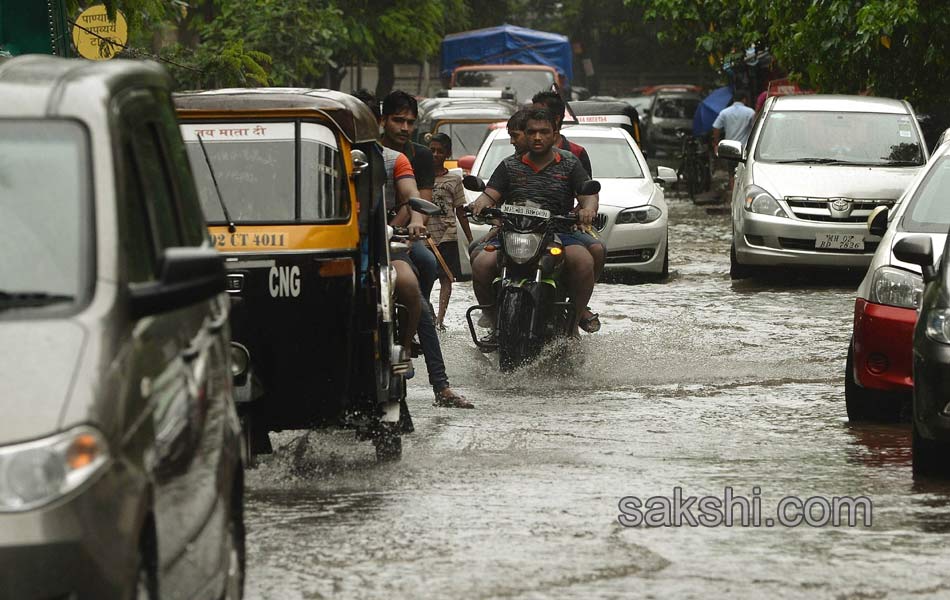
696,382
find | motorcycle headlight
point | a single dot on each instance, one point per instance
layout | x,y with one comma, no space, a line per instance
938,325
521,247
640,214
896,287
760,202
36,473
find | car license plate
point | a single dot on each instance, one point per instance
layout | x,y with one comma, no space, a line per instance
525,211
839,241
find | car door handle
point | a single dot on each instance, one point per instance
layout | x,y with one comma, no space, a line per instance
216,325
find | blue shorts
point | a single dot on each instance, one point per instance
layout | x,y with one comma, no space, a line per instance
580,238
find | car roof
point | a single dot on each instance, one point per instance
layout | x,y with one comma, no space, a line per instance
475,110
587,131
839,103
38,85
350,114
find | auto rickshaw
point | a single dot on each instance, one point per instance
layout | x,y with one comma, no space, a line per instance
465,120
611,114
291,186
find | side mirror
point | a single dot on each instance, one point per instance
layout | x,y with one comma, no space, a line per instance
589,188
467,162
666,175
730,150
877,221
188,275
424,206
472,183
917,250
360,161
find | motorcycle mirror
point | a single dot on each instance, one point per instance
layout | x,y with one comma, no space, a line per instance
473,183
424,206
589,188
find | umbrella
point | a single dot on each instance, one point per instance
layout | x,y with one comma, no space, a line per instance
709,109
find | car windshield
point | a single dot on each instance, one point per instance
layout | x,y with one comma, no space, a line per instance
829,137
44,221
255,167
524,83
675,108
641,103
928,210
467,138
610,158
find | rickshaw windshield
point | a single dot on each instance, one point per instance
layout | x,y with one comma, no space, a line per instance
255,165
45,222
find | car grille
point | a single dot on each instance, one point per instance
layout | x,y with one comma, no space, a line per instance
809,244
629,256
818,209
600,221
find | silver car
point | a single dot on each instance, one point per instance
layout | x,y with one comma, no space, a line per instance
120,461
813,170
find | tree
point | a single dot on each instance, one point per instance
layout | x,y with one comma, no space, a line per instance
894,48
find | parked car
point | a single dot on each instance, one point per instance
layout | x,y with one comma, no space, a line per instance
670,112
813,170
633,214
120,462
878,375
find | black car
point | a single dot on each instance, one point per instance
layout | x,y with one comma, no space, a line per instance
931,421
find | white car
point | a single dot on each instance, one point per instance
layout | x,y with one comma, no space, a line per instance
633,215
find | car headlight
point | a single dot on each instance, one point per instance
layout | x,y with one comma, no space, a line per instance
240,359
521,247
896,287
938,325
36,473
640,214
760,202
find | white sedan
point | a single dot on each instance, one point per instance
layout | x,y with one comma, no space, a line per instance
633,216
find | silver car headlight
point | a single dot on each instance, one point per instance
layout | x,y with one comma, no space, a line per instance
760,202
521,247
640,214
36,473
896,287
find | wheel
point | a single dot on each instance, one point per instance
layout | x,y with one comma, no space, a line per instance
514,348
864,405
693,179
146,577
736,269
236,554
388,444
247,442
929,456
666,260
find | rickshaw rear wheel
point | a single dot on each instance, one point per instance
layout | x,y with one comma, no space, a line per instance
388,444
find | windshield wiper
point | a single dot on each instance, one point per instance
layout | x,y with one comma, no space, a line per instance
31,299
814,161
901,163
214,180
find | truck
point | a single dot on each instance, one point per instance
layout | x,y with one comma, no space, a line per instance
522,61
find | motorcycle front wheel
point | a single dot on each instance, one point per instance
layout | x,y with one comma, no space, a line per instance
515,314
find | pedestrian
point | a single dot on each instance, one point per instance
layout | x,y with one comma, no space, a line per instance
734,122
449,195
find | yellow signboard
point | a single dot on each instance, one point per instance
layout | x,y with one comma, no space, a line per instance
96,36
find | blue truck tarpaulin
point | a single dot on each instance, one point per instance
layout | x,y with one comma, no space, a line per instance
507,44
709,109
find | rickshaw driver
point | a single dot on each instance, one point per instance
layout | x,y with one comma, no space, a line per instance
551,176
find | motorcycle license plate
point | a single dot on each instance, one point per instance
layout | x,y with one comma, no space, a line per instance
839,241
525,211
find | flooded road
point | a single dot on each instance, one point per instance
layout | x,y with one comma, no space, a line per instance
698,383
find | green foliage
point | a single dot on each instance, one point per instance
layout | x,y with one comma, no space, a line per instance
219,66
894,48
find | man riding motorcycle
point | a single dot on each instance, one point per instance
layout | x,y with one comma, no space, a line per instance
550,179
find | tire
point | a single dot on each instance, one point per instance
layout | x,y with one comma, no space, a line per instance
146,574
693,179
736,269
236,553
864,405
247,442
929,456
388,444
514,347
665,273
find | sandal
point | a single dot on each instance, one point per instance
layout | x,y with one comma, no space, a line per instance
446,397
590,324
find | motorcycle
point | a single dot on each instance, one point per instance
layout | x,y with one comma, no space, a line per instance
531,305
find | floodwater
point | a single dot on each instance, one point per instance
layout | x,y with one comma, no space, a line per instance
695,383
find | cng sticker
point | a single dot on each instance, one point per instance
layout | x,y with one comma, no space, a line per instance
96,36
284,282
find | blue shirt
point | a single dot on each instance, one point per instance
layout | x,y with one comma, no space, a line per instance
736,122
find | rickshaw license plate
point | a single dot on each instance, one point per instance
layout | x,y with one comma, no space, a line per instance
525,211
839,241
